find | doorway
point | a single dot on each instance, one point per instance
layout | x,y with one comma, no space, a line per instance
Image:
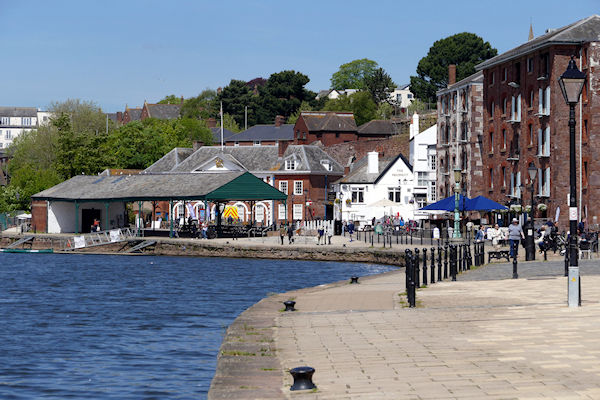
87,219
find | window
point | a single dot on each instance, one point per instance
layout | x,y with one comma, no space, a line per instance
503,139
297,211
530,99
491,178
504,106
394,194
327,165
530,138
1,145
515,184
358,194
544,101
283,187
517,73
5,121
491,142
8,134
421,202
544,182
422,178
26,121
585,174
290,164
259,213
257,143
297,136
516,109
585,130
431,161
464,136
544,142
530,64
465,161
431,194
298,187
399,97
281,211
544,65
504,74
492,107
409,96
503,177
492,78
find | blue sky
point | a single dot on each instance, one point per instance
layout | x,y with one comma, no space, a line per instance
124,52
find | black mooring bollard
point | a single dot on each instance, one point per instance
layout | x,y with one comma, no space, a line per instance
354,279
439,263
446,261
453,260
515,273
302,378
407,267
417,268
432,280
425,267
289,305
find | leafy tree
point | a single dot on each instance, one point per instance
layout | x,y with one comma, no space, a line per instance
229,123
235,97
416,106
380,85
352,75
384,111
170,99
304,106
360,103
463,49
202,106
282,94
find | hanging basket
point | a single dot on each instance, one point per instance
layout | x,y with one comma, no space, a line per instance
338,201
516,208
542,207
348,202
528,209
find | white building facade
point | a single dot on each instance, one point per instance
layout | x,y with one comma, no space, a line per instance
16,120
423,158
402,96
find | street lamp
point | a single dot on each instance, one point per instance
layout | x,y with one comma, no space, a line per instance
571,83
457,176
530,228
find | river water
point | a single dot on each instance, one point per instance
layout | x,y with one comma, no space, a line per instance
115,327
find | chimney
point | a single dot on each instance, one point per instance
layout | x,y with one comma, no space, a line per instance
279,120
282,146
451,74
119,116
346,170
197,144
414,126
211,122
373,162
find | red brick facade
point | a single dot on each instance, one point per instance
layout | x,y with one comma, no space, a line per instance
39,216
302,135
542,138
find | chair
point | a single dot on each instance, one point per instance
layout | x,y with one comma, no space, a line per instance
585,247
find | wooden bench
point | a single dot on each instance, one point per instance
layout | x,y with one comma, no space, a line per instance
498,254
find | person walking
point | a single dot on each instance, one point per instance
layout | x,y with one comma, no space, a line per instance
290,233
515,234
282,232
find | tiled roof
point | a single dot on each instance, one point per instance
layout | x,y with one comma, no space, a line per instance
359,173
476,78
252,158
584,30
309,159
18,112
329,121
171,160
163,111
377,127
135,114
265,132
216,132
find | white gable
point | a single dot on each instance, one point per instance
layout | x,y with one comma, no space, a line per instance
218,164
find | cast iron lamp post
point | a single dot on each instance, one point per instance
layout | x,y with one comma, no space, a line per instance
571,83
457,176
530,228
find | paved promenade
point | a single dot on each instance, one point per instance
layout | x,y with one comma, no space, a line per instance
484,337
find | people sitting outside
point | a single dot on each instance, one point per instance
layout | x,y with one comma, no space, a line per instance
540,240
496,235
480,235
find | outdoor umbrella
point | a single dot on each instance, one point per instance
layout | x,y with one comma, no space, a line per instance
447,204
481,203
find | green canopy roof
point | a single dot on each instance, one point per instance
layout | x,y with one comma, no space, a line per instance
245,187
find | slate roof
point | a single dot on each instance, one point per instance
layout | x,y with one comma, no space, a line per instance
476,78
18,112
377,127
135,114
584,30
112,116
254,159
161,187
359,173
329,121
163,111
170,160
265,132
216,132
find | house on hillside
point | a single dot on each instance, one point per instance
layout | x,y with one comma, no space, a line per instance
376,129
130,114
402,97
161,111
264,135
328,127
16,120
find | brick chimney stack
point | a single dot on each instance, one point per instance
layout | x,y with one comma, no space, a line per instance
282,147
451,74
211,122
279,120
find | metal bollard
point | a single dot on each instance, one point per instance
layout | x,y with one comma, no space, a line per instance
289,305
354,279
414,278
417,269
439,264
453,261
411,237
424,267
515,273
302,378
432,280
446,261
567,261
407,266
469,257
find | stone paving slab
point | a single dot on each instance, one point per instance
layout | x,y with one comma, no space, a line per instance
471,339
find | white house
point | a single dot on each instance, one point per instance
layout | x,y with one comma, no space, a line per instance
16,120
376,187
423,160
402,96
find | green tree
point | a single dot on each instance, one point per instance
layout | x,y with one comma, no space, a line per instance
304,106
229,123
380,85
235,97
202,106
417,106
384,111
170,99
465,50
359,103
352,75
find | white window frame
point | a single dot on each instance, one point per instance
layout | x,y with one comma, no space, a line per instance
432,159
358,195
283,186
395,194
298,188
422,178
290,164
281,211
297,211
8,134
26,121
256,143
327,165
432,195
4,121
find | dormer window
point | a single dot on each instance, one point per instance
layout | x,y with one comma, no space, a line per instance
290,164
326,164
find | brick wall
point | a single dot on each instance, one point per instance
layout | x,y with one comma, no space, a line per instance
39,216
